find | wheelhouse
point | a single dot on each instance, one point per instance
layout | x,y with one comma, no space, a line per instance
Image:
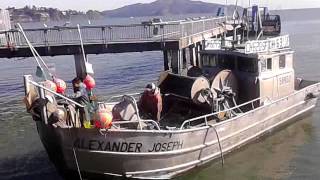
266,74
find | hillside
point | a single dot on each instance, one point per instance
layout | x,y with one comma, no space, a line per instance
44,14
164,8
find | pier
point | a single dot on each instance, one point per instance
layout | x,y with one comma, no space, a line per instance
177,40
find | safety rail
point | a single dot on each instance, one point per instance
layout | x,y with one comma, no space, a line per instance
266,18
109,100
112,33
28,80
136,122
41,90
135,104
132,96
59,95
205,117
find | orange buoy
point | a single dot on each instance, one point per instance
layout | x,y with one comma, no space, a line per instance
89,82
103,120
61,85
50,85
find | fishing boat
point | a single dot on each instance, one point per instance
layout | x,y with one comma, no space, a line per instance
238,91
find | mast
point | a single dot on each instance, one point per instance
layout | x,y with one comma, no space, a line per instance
226,10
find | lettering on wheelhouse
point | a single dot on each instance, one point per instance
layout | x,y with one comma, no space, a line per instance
284,80
100,145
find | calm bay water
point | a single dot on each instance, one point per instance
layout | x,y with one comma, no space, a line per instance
291,153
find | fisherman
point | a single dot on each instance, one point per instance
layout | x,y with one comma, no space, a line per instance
80,96
150,103
80,93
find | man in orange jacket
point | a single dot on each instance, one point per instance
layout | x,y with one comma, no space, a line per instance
151,102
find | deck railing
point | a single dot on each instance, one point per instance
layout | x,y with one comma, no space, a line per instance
56,36
27,79
41,91
135,98
205,118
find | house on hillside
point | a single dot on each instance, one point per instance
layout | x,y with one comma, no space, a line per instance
41,17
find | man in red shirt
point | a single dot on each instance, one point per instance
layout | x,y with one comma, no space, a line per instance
150,103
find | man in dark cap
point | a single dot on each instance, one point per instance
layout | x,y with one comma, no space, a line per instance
80,96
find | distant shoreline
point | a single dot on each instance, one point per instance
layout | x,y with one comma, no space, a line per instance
158,8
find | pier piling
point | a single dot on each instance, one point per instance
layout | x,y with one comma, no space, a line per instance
80,65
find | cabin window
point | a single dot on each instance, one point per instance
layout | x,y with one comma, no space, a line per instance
209,61
226,62
282,61
221,61
269,64
247,65
204,60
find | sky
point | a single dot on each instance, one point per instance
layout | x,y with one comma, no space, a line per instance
84,5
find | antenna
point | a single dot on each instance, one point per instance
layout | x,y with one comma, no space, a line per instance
226,8
235,12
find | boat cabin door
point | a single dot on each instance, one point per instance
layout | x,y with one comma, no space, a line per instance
268,81
276,76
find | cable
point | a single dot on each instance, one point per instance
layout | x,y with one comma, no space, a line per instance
34,52
75,157
32,49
